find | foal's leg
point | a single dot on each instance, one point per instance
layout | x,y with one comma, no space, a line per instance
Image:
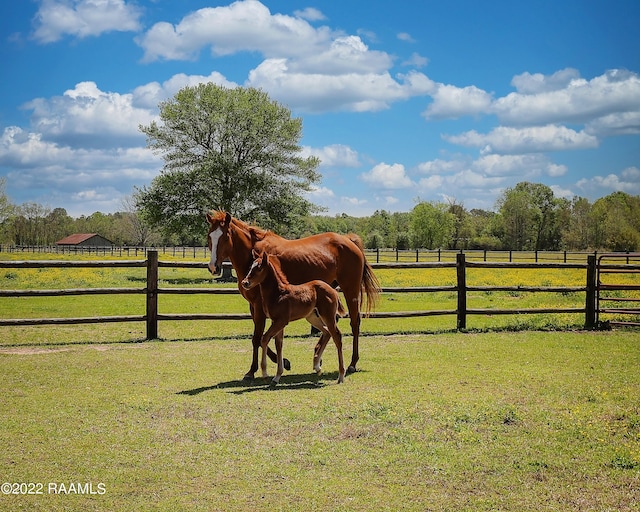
276,327
279,341
315,320
259,322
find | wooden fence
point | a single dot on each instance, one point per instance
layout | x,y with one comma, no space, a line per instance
593,289
373,255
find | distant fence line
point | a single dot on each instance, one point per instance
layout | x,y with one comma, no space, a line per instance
594,290
373,255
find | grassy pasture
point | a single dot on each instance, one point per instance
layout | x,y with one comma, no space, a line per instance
532,420
434,420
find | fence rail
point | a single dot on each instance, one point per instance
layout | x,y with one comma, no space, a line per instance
593,290
373,255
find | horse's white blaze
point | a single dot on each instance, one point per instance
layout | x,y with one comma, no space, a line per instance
215,236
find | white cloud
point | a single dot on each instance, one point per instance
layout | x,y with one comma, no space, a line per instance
83,18
404,36
628,181
335,155
151,94
536,83
469,179
387,177
310,13
353,201
320,192
431,183
345,55
450,101
68,172
245,25
559,191
308,68
579,101
439,166
525,165
620,123
607,105
86,116
357,92
416,60
525,140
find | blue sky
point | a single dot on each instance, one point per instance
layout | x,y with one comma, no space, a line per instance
402,101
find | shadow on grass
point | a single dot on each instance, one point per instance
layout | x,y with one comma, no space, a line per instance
287,383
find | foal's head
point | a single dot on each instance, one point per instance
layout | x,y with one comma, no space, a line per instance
258,271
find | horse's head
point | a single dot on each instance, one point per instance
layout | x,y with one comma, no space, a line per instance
218,239
258,270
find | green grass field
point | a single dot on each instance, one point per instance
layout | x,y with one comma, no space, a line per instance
524,412
480,421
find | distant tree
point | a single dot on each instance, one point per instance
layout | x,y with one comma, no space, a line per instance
529,214
29,225
485,229
378,229
59,224
233,149
576,230
615,221
400,226
463,228
137,232
432,225
7,210
374,240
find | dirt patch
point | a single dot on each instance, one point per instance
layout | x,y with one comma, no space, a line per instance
26,351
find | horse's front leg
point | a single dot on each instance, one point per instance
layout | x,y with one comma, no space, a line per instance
259,322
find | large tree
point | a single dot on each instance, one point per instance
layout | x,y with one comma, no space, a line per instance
615,222
529,214
233,149
432,225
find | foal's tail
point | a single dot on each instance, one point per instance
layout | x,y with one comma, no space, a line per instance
370,286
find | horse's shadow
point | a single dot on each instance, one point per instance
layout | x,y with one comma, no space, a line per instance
287,382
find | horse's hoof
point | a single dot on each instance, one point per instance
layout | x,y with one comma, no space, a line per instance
351,369
287,364
248,378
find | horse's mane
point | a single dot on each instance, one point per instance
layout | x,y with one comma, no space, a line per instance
254,232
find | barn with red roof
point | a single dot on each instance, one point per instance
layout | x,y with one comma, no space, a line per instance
84,240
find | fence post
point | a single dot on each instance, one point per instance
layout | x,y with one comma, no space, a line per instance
590,301
152,295
462,291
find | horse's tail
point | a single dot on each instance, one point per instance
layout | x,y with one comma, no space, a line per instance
370,286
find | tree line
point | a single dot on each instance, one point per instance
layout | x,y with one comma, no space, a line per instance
527,217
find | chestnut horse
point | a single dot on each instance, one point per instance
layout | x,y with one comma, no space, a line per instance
284,302
329,257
